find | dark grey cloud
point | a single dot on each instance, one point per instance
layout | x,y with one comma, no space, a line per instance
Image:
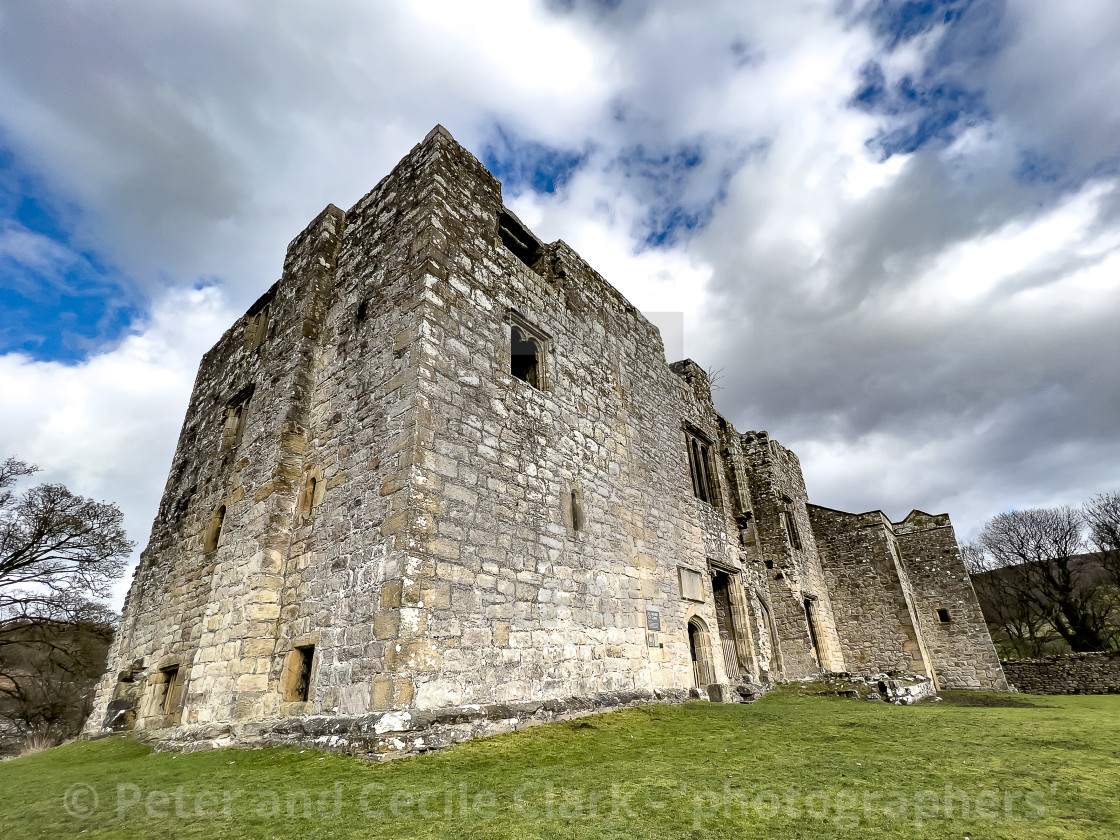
915,290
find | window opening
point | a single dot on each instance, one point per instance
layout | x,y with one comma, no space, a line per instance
303,685
256,328
811,620
170,689
517,238
214,531
233,427
297,681
524,359
704,484
943,616
577,510
791,529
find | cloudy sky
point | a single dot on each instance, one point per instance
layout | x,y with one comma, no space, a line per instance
893,226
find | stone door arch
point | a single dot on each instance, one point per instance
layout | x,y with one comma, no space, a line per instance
700,649
769,633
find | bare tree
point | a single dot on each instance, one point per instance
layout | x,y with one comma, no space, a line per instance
59,555
1019,628
1102,517
1036,558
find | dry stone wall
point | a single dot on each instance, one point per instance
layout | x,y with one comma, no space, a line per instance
1074,673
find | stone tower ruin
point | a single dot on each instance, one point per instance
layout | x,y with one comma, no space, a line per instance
440,475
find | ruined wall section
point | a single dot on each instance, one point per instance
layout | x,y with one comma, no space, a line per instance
200,600
792,574
720,525
871,594
953,628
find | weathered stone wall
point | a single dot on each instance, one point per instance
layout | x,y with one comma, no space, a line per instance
506,598
1073,673
871,594
953,629
211,613
428,530
791,573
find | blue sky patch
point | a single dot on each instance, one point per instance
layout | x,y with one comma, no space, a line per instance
681,186
936,104
527,164
58,301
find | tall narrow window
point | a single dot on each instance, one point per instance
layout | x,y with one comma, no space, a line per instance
170,688
214,530
524,359
310,496
791,529
257,319
576,502
811,620
704,483
233,428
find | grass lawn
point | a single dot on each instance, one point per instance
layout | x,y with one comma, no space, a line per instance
791,765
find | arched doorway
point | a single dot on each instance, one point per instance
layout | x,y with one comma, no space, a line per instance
700,649
768,639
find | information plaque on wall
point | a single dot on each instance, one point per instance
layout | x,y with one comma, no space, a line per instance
653,619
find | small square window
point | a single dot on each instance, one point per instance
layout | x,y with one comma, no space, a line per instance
943,616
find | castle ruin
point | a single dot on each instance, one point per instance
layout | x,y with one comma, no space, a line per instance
440,474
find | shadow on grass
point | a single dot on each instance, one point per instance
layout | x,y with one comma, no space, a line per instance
990,699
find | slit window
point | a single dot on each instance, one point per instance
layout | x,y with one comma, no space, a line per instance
791,530
943,616
704,484
576,502
214,530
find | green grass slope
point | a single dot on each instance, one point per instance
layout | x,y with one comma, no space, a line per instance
791,765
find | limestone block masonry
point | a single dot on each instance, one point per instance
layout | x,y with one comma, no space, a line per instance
441,469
